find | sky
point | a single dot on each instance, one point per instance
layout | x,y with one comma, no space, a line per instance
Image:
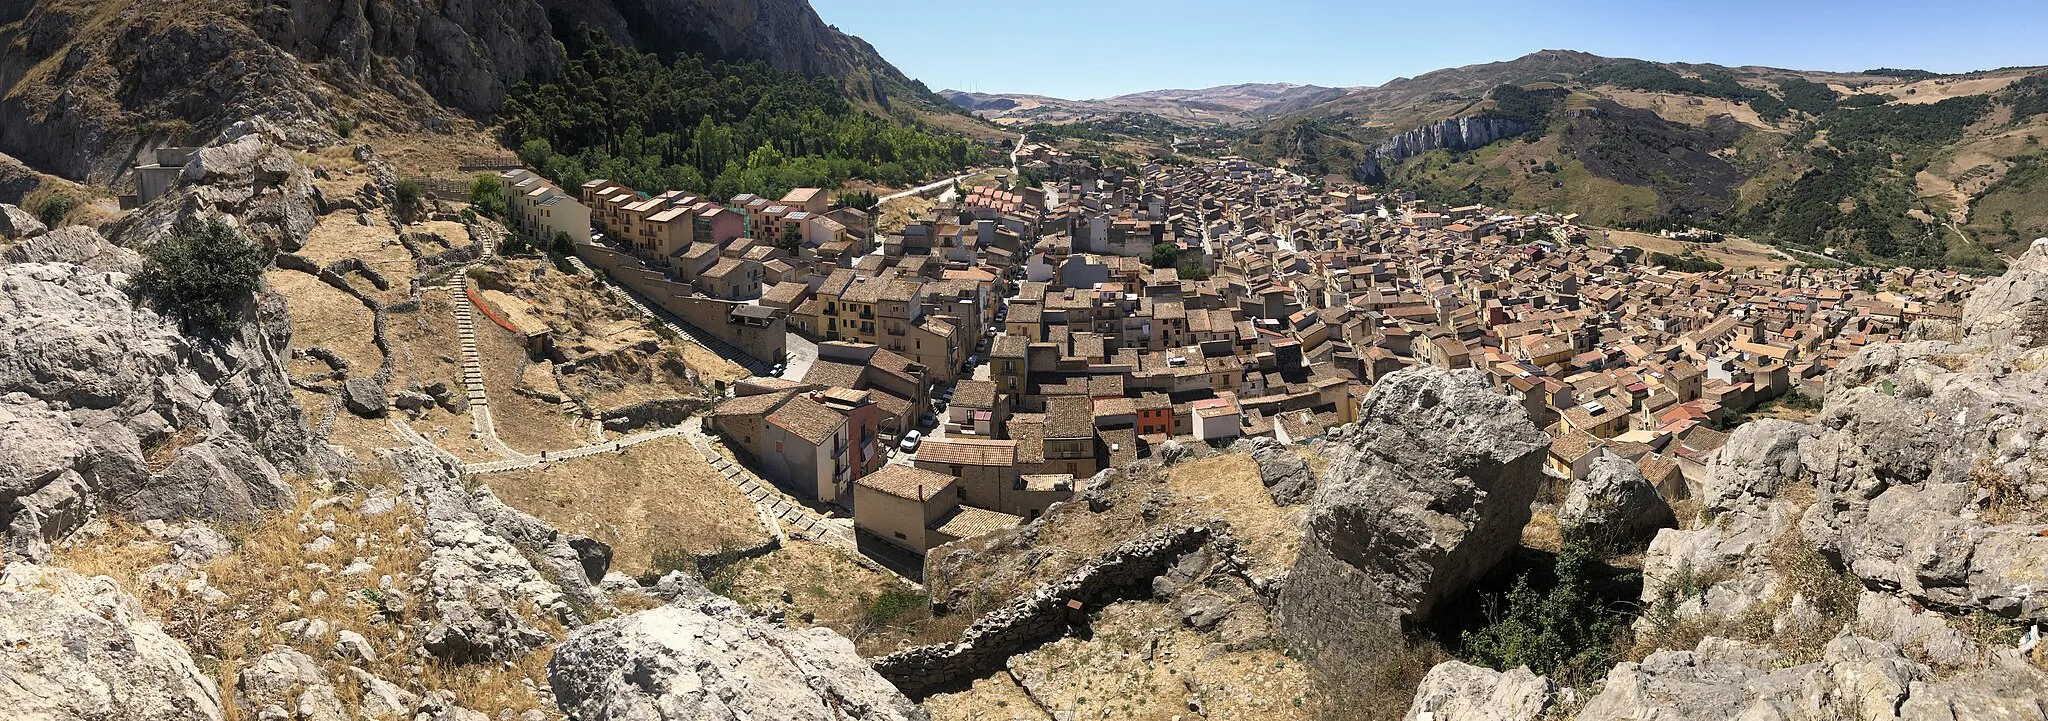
1086,49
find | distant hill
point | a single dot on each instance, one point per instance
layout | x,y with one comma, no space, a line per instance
1884,165
1223,105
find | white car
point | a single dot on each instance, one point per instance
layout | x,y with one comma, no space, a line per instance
910,441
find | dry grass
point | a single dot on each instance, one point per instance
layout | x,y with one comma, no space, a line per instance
653,498
1735,253
2005,500
840,593
526,424
1227,487
271,578
1804,574
1142,664
324,316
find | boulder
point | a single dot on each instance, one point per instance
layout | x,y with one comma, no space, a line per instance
1614,505
1172,452
1429,494
705,657
1741,517
2013,309
1456,691
79,648
18,224
478,581
365,397
1855,678
1282,470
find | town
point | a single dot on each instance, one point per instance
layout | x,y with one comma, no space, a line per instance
962,373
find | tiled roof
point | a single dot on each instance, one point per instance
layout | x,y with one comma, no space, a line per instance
807,419
905,482
968,452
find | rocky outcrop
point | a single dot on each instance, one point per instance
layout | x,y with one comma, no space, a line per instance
1459,133
1722,568
77,245
1614,504
18,224
1855,678
1929,473
104,404
246,175
1043,615
483,590
703,657
79,648
1426,494
1455,691
1283,471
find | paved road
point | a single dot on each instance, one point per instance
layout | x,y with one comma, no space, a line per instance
802,354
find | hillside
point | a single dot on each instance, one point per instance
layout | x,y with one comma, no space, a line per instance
85,84
1881,166
1217,106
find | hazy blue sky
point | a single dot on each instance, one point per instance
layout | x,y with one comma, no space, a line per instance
1097,48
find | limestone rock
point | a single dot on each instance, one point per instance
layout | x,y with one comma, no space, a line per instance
18,224
2013,308
1172,452
1855,678
79,648
1614,504
1456,691
1284,473
1431,494
77,245
365,397
704,657
479,582
92,381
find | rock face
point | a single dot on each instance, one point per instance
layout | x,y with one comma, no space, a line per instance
1455,691
18,224
1459,133
77,245
1739,494
1284,473
1615,504
244,174
78,648
704,657
1429,492
106,404
1855,678
1928,464
481,585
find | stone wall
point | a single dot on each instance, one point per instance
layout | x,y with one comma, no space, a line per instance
1042,616
712,316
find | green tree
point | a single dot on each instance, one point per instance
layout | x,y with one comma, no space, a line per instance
54,209
200,272
858,200
408,200
1565,632
487,196
1164,255
564,245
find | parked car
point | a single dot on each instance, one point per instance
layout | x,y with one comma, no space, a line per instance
938,405
929,420
911,441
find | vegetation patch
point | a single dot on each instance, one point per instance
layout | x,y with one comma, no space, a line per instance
201,272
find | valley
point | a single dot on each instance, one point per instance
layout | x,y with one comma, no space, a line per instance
689,359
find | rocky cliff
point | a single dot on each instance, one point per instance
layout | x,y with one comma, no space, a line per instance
85,85
1459,133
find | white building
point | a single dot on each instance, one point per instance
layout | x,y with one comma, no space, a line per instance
539,210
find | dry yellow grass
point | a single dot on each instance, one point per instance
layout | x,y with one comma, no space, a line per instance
653,498
1140,664
1735,253
272,578
837,591
1227,487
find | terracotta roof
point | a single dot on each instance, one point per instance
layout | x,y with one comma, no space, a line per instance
971,522
975,394
905,482
1069,417
968,452
807,419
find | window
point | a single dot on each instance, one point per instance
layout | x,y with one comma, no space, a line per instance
955,470
959,492
899,535
778,446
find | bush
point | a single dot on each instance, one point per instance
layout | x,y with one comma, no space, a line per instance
563,245
487,196
54,209
344,127
408,201
863,200
1567,632
201,271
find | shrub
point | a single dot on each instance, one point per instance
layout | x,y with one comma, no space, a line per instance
54,209
563,245
408,200
863,200
487,196
344,127
201,271
1567,632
